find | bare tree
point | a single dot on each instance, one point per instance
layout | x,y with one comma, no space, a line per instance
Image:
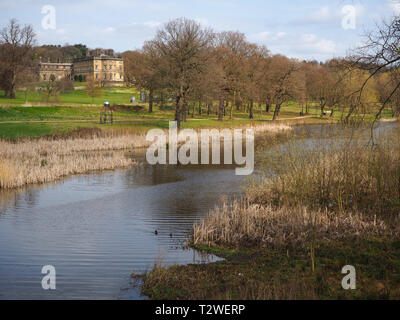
379,53
282,77
93,88
142,68
16,43
183,45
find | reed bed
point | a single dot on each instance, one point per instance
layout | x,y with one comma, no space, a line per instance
271,128
329,191
44,160
244,223
338,174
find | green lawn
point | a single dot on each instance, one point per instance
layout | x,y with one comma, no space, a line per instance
28,115
114,95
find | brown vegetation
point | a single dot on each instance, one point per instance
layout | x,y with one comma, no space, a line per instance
243,223
331,192
340,175
45,160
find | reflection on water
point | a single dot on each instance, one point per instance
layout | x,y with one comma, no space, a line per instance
96,229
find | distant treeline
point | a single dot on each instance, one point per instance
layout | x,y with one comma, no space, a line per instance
67,53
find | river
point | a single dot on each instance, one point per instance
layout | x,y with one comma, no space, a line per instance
95,229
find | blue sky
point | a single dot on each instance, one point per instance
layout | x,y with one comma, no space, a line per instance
304,29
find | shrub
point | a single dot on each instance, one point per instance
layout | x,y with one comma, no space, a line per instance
338,175
65,84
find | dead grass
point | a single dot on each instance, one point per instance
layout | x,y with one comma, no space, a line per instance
7,172
243,223
331,191
337,174
44,160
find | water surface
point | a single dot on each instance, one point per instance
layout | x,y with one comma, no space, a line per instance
95,229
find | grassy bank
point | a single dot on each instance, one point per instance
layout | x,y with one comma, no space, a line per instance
312,213
48,159
30,116
283,273
51,157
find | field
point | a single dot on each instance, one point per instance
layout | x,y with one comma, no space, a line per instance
29,116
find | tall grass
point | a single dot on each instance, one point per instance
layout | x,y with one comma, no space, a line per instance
338,188
244,223
44,160
339,174
41,160
7,172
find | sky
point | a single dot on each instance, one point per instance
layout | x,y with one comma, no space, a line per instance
302,29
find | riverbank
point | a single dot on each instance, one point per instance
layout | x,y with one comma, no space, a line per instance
309,216
33,161
283,273
50,158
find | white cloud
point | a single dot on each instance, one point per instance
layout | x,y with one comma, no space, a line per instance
202,21
110,30
301,46
394,5
266,36
152,24
328,15
61,31
322,15
310,43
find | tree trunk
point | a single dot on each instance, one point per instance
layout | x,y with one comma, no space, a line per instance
12,92
267,107
162,98
151,99
200,108
276,112
178,111
208,108
323,103
225,106
221,109
185,108
251,109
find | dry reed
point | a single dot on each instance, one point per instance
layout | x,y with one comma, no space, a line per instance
336,174
50,158
241,222
41,161
333,191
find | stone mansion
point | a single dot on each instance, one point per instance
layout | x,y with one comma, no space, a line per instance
105,69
